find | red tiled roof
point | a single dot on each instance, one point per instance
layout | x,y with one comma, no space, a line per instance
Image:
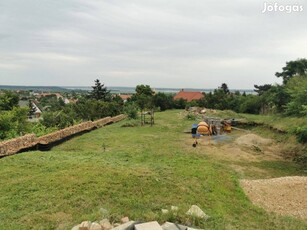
189,96
125,96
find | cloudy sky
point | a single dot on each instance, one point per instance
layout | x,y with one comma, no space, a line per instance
163,43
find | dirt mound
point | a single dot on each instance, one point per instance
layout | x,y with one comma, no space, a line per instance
252,139
285,195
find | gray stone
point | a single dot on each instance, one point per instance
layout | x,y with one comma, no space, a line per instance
154,225
197,212
164,211
105,224
124,226
174,208
95,226
85,225
125,219
172,226
76,227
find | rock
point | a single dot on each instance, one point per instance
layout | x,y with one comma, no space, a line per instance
174,208
154,225
203,111
95,226
172,226
76,227
164,211
85,225
197,212
105,224
104,213
125,219
124,226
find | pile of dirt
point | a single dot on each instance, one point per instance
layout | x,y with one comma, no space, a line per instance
285,195
252,139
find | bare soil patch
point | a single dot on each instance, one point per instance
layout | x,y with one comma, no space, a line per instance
238,148
252,139
284,195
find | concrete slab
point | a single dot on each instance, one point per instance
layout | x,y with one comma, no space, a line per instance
124,226
172,226
154,225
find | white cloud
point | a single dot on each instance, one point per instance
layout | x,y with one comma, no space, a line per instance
177,43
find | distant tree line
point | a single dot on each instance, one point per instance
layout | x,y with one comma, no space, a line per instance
288,99
96,104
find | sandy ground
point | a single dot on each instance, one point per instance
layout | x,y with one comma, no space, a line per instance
285,195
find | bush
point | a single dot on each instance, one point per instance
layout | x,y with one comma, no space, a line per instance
191,116
13,123
131,109
301,134
131,123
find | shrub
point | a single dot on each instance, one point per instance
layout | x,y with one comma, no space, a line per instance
191,116
301,134
131,109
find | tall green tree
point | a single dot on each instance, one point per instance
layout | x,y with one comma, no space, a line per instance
297,90
260,89
8,100
163,101
100,92
224,88
143,96
293,68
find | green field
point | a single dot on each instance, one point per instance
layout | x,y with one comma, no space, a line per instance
142,170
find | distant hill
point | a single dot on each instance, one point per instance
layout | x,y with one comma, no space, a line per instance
35,88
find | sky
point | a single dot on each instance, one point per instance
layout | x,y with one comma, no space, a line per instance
161,43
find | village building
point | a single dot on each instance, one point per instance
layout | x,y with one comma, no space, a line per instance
188,95
125,97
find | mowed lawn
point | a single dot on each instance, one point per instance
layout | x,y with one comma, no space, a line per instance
141,171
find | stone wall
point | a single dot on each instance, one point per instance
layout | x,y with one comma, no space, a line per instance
102,122
15,145
118,118
64,133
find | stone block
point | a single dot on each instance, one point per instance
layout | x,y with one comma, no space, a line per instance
197,212
124,226
95,226
154,225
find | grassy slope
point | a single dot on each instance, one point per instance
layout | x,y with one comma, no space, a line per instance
288,124
142,170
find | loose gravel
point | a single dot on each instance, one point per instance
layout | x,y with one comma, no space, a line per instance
285,195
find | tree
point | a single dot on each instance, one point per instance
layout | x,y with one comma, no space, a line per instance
143,96
224,88
131,109
32,108
163,101
100,92
251,104
8,100
297,90
13,123
293,68
260,89
144,90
